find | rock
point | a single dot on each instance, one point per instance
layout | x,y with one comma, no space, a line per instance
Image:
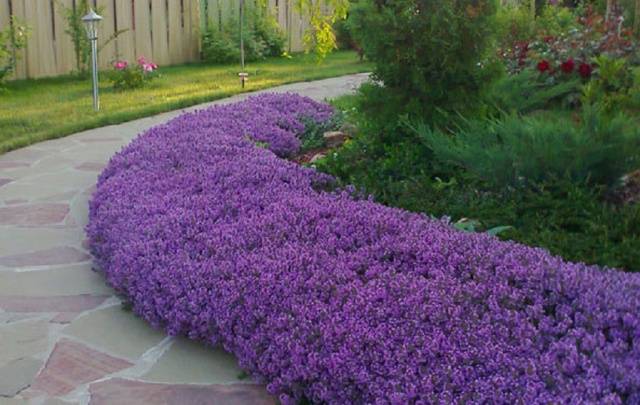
18,375
628,192
349,129
48,257
334,139
72,364
33,215
190,362
121,391
317,157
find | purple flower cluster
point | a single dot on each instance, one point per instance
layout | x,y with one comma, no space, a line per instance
338,300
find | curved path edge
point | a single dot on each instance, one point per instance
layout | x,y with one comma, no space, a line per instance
66,339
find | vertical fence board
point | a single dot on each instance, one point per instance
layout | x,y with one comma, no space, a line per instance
21,65
32,51
159,32
65,53
125,43
4,14
108,51
175,32
142,33
192,30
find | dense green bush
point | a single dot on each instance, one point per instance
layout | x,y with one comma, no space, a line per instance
519,151
428,54
262,35
527,91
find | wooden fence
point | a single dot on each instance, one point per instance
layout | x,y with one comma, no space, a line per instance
165,31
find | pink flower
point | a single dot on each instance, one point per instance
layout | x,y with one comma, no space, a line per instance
120,65
147,68
142,61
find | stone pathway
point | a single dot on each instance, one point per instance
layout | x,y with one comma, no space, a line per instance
64,336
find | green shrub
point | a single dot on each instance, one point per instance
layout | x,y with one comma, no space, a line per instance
514,24
614,85
218,46
428,54
527,91
519,151
262,36
12,39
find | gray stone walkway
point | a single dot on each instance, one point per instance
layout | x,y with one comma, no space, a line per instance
64,336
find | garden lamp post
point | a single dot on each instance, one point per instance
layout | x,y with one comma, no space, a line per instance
243,75
91,21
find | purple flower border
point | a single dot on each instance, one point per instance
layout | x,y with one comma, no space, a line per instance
339,300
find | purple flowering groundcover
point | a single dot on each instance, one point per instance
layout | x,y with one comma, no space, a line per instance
333,299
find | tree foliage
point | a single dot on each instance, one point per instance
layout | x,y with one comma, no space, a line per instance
322,14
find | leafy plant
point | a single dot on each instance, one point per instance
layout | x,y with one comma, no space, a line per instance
430,56
12,39
262,37
613,85
320,37
126,77
313,135
528,91
519,151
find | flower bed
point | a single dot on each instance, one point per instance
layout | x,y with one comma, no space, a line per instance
338,300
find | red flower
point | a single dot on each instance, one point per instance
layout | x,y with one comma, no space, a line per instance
543,66
568,66
585,70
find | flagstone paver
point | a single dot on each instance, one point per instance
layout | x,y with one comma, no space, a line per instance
120,391
64,336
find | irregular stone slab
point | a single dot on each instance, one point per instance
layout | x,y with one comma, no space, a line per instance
18,375
194,363
121,391
79,210
23,339
23,155
33,214
50,257
116,331
58,401
59,197
25,240
72,364
9,164
16,201
71,280
10,317
4,181
98,139
73,303
64,180
90,166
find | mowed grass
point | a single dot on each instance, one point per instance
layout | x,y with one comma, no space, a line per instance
35,110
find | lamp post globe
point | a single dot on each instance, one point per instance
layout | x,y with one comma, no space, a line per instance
91,21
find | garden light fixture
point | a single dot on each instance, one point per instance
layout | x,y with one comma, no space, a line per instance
91,21
243,75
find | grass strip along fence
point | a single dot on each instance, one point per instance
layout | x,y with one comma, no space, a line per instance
36,110
335,299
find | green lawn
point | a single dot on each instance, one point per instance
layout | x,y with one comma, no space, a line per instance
36,110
